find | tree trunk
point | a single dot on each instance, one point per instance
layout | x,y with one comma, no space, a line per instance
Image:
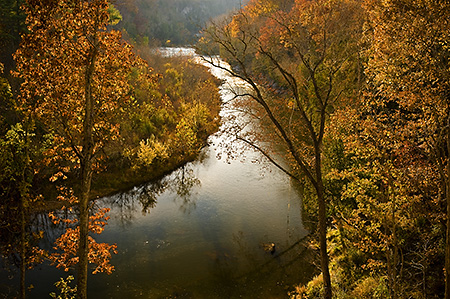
83,247
86,176
320,190
22,250
447,195
324,261
23,217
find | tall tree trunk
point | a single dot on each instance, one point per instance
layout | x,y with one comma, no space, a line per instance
23,215
447,195
324,261
86,176
320,190
83,247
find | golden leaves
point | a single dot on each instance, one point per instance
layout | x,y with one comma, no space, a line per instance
52,62
67,62
256,8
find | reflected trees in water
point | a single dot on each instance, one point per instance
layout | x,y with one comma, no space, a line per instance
181,182
18,245
260,273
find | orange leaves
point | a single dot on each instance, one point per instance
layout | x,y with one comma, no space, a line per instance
52,62
67,244
271,32
407,49
252,15
98,221
57,175
36,257
100,254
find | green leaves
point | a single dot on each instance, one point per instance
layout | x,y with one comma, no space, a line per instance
114,15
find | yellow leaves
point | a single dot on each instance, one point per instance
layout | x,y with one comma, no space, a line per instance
149,150
256,8
64,287
186,136
194,118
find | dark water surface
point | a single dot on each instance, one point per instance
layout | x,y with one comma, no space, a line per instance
203,237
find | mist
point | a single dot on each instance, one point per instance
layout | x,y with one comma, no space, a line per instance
169,22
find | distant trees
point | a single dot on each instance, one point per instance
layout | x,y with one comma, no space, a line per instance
300,60
169,22
170,120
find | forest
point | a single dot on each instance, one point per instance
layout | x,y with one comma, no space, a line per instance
357,93
169,22
350,97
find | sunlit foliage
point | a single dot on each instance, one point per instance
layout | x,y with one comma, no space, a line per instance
300,61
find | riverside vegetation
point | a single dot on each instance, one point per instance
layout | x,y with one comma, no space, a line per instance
355,92
80,109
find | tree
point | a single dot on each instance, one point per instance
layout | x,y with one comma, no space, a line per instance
74,81
16,151
299,59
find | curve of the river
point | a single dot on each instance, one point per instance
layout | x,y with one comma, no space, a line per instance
204,232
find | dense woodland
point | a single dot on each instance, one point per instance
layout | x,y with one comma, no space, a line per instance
82,115
354,93
357,92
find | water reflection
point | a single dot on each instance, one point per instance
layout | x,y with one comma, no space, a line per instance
184,183
144,198
203,236
262,274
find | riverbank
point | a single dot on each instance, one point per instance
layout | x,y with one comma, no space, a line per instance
123,179
167,125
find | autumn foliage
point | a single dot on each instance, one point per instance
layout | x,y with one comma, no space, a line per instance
95,108
357,93
74,75
53,61
66,245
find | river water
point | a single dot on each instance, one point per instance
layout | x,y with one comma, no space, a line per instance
201,231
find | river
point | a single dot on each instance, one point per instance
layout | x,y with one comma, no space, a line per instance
201,231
